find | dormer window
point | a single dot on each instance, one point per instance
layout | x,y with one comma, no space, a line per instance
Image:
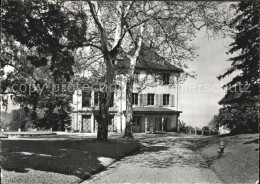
166,79
136,77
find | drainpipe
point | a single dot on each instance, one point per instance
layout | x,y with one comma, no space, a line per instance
177,98
121,113
77,110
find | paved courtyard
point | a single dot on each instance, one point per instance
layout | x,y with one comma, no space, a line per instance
162,159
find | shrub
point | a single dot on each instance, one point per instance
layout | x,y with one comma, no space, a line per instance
20,119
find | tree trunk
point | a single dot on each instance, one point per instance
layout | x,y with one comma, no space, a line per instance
102,122
129,107
104,103
110,57
129,86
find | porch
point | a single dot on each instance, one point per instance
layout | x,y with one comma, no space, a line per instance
155,119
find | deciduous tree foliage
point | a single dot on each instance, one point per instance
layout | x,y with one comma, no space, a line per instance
242,105
38,43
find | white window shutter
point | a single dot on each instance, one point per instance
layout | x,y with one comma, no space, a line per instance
157,99
161,100
172,99
141,99
144,99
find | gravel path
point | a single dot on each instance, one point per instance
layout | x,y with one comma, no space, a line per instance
161,160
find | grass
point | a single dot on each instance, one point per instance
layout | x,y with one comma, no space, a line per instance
77,158
240,161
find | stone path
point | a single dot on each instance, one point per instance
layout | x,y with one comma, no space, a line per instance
161,160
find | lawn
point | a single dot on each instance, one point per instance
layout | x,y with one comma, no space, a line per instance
240,161
54,160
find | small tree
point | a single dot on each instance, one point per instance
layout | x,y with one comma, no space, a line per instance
20,119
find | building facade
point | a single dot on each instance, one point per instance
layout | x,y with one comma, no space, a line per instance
155,99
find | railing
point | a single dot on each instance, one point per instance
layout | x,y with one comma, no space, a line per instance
197,131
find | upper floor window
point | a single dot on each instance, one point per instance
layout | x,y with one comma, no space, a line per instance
166,99
86,98
166,78
111,104
135,98
150,99
96,99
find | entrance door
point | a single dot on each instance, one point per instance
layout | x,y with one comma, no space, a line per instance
86,123
137,124
111,125
165,124
161,125
158,123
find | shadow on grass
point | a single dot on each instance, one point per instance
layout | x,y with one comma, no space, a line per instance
71,157
256,141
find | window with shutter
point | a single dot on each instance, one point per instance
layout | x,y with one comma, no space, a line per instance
172,100
150,100
166,99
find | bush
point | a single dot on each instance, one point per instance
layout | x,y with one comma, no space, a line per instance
205,129
182,126
20,119
239,118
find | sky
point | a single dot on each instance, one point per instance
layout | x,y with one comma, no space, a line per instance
199,97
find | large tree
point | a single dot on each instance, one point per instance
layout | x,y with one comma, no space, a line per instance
242,98
167,27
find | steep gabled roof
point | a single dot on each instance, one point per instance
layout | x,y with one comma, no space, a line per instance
149,60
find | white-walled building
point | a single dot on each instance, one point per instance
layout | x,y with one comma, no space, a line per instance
155,98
